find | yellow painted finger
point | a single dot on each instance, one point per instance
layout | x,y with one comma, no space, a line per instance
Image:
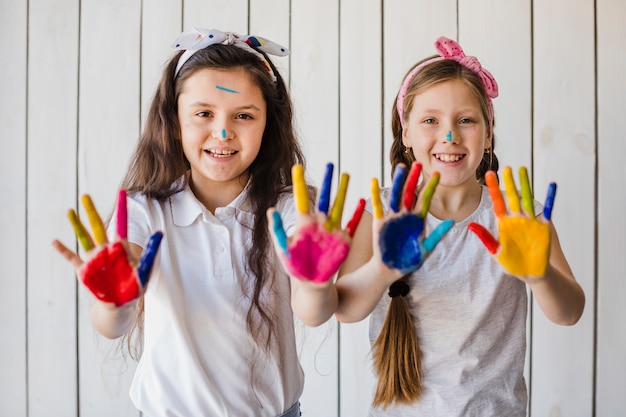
337,210
97,226
428,193
80,231
499,208
511,190
377,203
300,189
527,194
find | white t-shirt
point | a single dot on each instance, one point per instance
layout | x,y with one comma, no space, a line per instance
198,358
470,318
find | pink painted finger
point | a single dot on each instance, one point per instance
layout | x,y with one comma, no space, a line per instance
122,215
315,255
499,208
356,217
110,277
487,238
411,185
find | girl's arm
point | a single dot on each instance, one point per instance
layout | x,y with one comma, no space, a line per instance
363,278
558,294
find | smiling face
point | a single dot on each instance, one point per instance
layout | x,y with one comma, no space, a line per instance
222,116
447,132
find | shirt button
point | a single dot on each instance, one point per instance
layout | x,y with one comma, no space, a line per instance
220,250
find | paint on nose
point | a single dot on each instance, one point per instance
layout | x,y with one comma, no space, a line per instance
449,136
223,133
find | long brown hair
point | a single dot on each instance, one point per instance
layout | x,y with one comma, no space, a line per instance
158,162
396,353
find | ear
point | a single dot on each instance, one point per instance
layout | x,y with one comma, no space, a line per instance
488,139
405,134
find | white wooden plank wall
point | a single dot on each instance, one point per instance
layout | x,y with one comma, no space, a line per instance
77,78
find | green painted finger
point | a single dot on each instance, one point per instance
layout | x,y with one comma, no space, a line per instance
428,193
527,194
81,233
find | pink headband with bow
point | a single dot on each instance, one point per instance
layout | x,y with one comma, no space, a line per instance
449,49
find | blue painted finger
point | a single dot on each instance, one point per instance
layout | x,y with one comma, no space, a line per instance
147,258
547,208
440,231
279,231
399,243
396,188
324,201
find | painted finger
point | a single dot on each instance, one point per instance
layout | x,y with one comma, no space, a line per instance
436,235
487,238
547,208
122,215
68,254
511,191
299,188
428,193
527,194
411,185
279,232
499,208
396,188
377,204
356,217
337,211
147,258
324,200
97,226
81,233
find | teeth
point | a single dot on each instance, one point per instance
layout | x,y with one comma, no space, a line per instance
221,152
448,157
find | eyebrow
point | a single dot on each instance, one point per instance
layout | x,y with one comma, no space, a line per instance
204,104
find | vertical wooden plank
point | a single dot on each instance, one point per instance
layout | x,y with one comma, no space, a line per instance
109,122
271,19
13,142
564,152
410,30
315,92
611,310
161,23
225,15
504,48
361,154
51,189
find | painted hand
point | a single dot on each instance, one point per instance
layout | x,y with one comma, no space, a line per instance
523,248
319,245
401,239
110,272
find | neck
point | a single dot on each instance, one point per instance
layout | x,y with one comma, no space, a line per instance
455,202
217,194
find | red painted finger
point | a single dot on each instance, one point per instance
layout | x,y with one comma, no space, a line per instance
487,238
356,217
411,185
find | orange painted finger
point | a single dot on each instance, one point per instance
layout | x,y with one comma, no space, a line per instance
499,208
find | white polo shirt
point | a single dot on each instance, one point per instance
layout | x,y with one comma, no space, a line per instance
198,358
